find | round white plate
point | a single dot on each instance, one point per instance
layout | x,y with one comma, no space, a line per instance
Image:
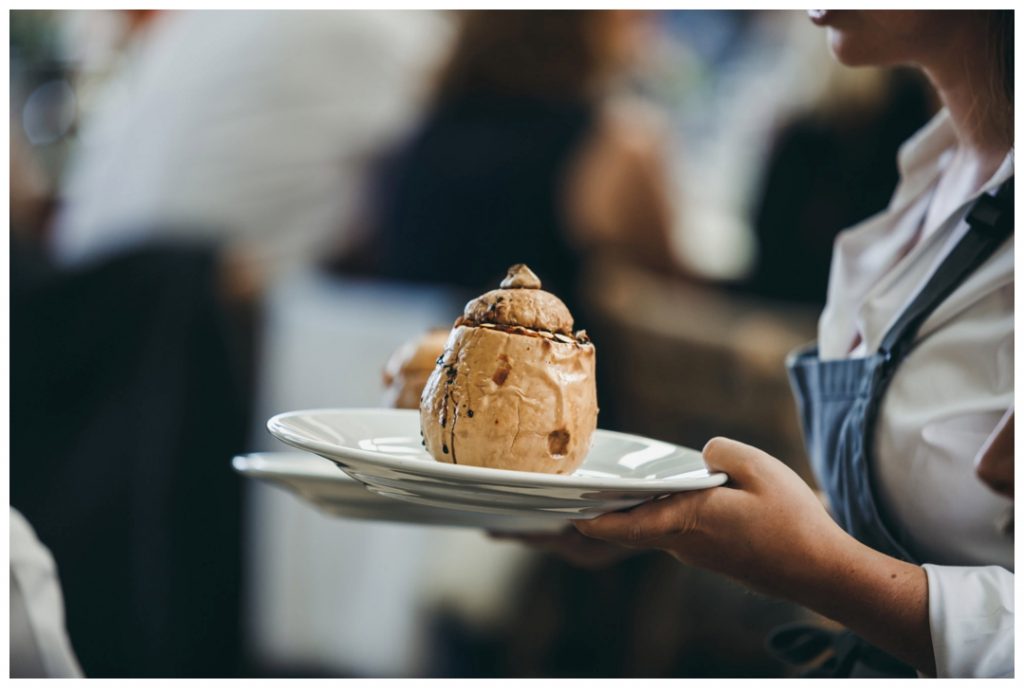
319,482
381,448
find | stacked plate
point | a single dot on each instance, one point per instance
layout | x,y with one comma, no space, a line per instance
321,484
381,449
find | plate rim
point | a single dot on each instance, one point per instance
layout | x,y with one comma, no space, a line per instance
499,476
370,505
248,464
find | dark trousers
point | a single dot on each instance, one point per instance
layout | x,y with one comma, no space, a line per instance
128,400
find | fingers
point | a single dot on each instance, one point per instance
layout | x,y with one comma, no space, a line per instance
686,512
678,514
737,460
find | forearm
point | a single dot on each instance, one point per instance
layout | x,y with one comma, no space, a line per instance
882,599
768,530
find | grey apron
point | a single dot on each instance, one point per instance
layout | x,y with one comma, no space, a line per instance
838,402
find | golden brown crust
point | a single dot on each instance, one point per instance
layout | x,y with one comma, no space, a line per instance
514,388
507,401
530,308
406,372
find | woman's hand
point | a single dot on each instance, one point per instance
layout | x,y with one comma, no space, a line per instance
767,529
764,527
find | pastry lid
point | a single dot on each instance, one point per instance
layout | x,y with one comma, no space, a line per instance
520,302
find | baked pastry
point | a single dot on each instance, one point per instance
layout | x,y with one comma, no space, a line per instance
406,372
515,387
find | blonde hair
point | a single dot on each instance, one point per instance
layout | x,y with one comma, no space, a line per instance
999,26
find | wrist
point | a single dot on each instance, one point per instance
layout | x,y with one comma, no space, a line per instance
813,573
881,598
842,576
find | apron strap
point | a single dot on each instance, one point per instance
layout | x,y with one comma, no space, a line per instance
825,653
991,222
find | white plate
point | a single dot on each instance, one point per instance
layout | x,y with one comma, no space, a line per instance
381,448
319,482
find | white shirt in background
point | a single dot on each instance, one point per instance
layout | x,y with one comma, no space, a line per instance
40,647
250,127
942,405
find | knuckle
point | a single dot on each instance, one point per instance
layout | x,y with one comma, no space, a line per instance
714,447
691,516
635,533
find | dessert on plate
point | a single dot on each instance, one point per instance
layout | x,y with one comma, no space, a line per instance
406,372
514,387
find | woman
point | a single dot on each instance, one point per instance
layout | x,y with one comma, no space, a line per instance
525,156
908,394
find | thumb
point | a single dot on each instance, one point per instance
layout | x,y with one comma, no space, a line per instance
737,460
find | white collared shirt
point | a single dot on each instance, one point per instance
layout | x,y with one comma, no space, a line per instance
40,647
943,403
250,128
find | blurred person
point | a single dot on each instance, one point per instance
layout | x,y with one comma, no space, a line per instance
831,166
31,192
754,181
232,140
128,392
246,128
906,400
526,155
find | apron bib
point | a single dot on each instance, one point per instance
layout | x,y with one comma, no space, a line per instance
838,401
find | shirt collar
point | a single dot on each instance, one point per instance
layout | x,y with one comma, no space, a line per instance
920,151
923,156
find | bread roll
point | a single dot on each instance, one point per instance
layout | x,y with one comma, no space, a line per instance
513,389
406,372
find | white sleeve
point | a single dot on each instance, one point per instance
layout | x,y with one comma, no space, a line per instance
970,611
39,643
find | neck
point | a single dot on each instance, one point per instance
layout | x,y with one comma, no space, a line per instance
976,112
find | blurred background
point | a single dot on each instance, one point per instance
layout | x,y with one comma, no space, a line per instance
218,216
